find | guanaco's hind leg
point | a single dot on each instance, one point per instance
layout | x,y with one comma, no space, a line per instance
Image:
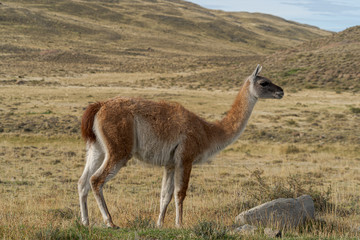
94,158
108,170
167,190
116,138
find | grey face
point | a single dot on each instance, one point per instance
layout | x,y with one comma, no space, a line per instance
264,88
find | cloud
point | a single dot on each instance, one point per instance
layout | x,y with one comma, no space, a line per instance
323,6
334,15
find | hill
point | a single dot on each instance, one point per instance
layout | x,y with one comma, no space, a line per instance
184,44
330,62
66,38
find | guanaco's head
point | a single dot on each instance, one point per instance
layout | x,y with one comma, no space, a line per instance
261,87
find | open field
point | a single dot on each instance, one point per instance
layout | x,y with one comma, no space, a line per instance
306,143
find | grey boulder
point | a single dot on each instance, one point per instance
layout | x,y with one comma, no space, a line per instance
280,213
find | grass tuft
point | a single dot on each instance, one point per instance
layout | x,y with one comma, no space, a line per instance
355,110
77,231
65,213
209,230
141,223
290,149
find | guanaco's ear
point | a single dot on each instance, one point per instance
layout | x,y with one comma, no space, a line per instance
257,71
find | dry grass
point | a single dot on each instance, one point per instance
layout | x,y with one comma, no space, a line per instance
41,162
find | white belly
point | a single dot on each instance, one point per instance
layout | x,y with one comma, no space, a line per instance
152,150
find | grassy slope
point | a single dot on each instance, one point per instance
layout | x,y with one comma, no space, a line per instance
214,48
58,38
329,62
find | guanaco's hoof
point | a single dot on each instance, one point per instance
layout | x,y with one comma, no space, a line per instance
112,226
85,223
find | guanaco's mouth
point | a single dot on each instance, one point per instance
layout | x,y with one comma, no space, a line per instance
279,95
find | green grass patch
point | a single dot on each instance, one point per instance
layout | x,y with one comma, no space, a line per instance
78,231
210,230
355,110
140,223
293,71
47,112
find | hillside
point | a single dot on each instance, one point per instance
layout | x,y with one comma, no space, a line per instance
178,43
330,62
66,38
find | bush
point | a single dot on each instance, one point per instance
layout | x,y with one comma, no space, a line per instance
355,110
292,149
293,186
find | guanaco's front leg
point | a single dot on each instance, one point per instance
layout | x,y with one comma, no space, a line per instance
167,190
181,179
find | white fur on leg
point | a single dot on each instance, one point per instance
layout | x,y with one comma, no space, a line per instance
99,197
167,189
94,158
178,178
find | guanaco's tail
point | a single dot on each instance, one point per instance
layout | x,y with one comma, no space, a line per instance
87,122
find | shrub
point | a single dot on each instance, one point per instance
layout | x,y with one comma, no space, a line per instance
291,149
355,110
292,122
291,187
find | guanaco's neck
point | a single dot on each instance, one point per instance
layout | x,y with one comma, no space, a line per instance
233,124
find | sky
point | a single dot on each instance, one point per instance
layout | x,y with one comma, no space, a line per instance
332,15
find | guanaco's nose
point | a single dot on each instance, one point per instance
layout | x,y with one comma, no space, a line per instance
279,93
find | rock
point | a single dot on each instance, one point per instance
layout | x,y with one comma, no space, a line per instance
246,229
280,213
272,233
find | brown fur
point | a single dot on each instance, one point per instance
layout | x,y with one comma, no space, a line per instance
168,121
232,121
87,122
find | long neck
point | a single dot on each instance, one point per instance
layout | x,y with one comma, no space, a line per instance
232,125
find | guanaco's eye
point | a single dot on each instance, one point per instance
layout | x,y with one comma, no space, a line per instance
264,84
